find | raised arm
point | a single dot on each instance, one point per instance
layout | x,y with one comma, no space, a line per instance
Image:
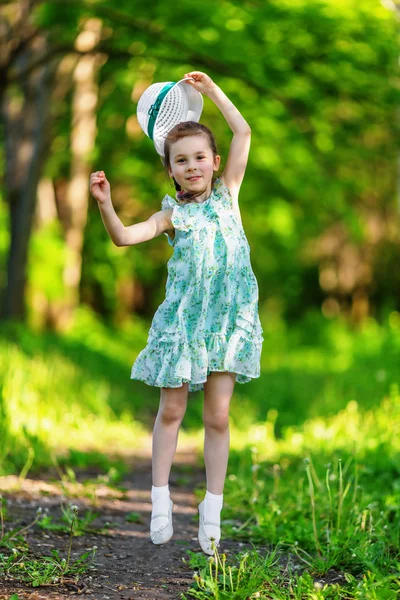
239,149
155,225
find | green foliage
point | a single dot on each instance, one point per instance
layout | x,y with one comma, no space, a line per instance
46,261
133,517
219,579
45,569
316,80
249,575
4,240
80,525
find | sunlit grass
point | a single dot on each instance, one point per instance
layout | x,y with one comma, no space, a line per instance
321,385
49,402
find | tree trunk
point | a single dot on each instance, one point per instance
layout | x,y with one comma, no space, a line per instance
26,125
83,138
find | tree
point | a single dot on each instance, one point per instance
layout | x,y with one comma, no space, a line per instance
26,93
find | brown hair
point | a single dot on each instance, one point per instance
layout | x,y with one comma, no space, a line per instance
182,130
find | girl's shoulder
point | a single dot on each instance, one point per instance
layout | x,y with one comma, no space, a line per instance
168,202
174,215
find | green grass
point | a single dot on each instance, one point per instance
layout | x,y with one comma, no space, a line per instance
78,386
45,570
328,493
314,468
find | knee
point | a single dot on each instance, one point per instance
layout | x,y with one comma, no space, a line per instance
218,422
171,414
173,403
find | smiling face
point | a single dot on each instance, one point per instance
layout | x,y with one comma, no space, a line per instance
192,163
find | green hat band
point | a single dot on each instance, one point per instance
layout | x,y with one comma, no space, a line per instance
155,108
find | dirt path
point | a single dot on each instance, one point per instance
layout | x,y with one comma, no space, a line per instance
127,566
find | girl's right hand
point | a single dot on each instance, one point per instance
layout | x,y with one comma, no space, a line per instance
202,82
100,187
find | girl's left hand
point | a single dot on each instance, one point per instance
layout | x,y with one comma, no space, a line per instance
202,82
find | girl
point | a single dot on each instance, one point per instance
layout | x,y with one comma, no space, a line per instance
206,335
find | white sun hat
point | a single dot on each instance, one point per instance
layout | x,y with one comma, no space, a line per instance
164,105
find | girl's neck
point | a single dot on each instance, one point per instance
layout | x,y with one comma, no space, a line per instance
203,196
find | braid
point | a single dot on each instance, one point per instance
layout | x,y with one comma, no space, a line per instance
181,195
176,184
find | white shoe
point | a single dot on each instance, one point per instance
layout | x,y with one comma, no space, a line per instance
208,532
163,534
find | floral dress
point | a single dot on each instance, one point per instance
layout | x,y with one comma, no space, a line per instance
209,319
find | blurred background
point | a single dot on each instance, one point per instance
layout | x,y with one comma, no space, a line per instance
318,82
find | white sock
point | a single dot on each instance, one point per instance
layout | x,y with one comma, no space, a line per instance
160,499
212,507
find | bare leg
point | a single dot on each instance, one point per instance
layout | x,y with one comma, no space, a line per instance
173,402
172,408
218,392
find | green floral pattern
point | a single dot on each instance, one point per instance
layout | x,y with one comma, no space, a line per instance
209,319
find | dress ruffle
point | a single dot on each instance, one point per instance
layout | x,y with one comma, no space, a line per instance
172,360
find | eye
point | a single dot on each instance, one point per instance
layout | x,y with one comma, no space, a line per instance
201,156
180,160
